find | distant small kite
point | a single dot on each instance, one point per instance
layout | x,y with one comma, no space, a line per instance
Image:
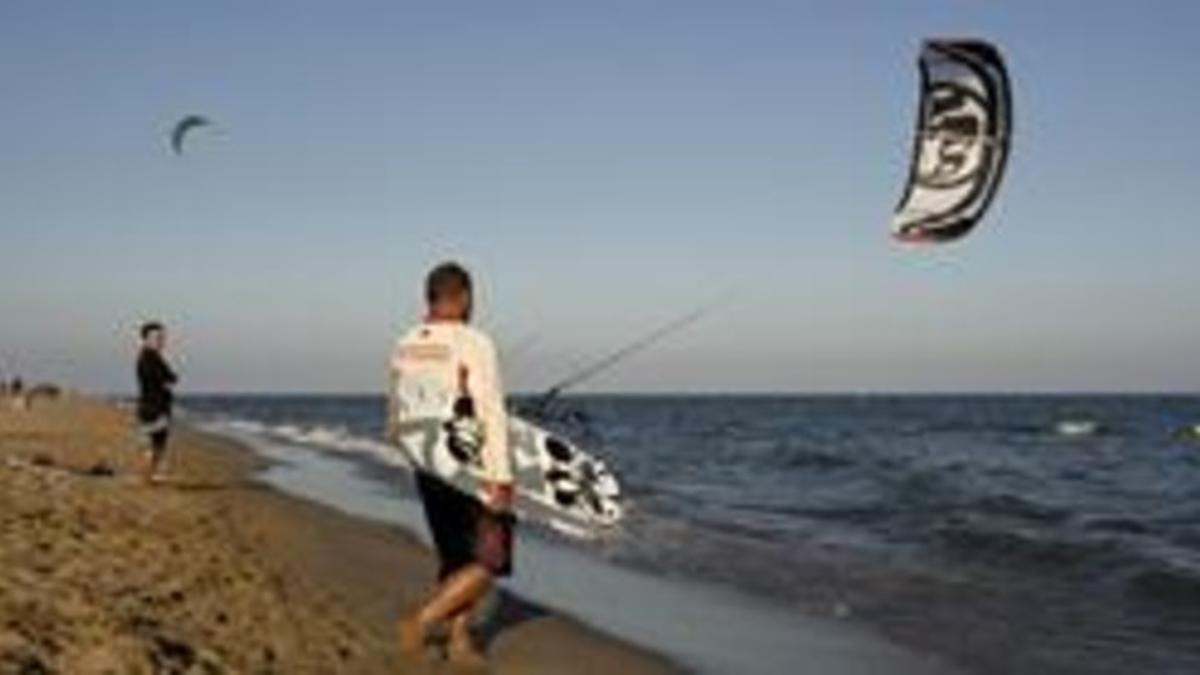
964,131
185,126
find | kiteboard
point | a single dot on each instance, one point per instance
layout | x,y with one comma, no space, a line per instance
555,482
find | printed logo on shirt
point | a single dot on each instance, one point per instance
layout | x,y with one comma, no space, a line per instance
425,352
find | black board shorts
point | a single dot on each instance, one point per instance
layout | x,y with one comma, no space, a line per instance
154,431
464,530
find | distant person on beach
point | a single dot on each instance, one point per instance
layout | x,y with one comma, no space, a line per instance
443,360
17,391
155,398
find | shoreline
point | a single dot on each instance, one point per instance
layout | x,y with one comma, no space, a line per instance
702,627
216,570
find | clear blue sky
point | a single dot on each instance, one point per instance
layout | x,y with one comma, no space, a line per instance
600,165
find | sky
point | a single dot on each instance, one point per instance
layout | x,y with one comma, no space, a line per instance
602,168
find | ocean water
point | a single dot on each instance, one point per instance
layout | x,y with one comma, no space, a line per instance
1004,534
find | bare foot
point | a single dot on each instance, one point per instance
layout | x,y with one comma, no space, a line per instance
463,654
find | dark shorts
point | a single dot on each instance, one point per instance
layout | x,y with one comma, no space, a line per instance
155,432
464,531
158,441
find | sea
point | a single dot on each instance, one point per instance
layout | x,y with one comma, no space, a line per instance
1027,534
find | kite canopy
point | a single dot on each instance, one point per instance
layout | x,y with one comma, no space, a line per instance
182,127
964,127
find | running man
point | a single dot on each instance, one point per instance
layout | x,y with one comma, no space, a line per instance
155,398
445,369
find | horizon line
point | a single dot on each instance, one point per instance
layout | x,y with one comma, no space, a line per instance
712,393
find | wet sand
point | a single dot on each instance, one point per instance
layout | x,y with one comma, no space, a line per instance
214,573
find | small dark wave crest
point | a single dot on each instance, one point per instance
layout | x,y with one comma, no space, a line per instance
994,543
812,458
1117,524
1020,507
1169,585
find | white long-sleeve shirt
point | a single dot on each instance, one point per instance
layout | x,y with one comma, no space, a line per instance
425,376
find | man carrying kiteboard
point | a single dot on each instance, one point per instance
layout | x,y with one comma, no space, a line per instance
444,369
155,398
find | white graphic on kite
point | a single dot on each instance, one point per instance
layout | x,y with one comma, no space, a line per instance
964,128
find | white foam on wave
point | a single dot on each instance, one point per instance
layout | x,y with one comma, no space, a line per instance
1077,427
336,439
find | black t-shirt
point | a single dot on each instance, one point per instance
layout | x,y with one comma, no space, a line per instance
155,379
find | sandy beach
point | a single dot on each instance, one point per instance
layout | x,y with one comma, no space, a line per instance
213,572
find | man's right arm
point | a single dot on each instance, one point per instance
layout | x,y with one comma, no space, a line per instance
153,368
168,373
488,392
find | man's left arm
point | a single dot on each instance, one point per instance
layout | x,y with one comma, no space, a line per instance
165,373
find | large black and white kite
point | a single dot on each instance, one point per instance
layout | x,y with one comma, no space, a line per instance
964,129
